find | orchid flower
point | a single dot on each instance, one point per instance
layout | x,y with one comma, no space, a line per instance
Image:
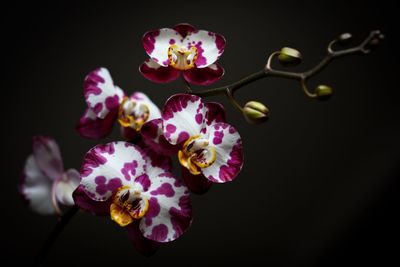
183,49
209,149
120,180
44,184
107,103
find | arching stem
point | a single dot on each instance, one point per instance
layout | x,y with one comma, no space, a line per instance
363,48
64,220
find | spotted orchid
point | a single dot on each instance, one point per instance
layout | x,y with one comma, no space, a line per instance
183,49
209,149
120,180
133,184
107,103
44,184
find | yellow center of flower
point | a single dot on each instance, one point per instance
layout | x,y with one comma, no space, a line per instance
133,114
182,58
127,205
196,154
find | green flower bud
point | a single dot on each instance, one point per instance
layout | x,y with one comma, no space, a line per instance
323,92
345,38
255,112
289,56
377,40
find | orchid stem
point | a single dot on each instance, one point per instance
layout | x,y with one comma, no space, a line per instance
363,48
51,239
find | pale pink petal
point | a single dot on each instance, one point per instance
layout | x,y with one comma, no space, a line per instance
36,187
48,157
101,95
228,146
183,116
157,73
66,186
90,126
156,44
204,76
210,46
108,167
170,213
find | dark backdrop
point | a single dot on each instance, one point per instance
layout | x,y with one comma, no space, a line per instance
320,185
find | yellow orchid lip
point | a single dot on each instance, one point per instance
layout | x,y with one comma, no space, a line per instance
126,117
188,163
192,154
182,58
124,210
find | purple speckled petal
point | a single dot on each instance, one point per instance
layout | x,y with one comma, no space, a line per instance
156,159
152,134
183,116
36,187
143,245
107,167
90,126
170,213
156,44
204,76
157,73
84,202
228,146
210,46
197,184
101,95
66,186
215,112
184,29
48,157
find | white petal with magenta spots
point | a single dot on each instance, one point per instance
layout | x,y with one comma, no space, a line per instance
169,214
183,116
229,159
101,95
210,46
156,44
108,167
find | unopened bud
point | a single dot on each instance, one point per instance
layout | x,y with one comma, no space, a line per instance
323,92
377,39
255,112
289,56
345,38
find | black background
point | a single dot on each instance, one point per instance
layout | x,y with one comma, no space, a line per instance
320,185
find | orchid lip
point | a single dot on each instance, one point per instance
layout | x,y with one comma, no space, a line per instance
128,205
196,154
182,58
133,114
